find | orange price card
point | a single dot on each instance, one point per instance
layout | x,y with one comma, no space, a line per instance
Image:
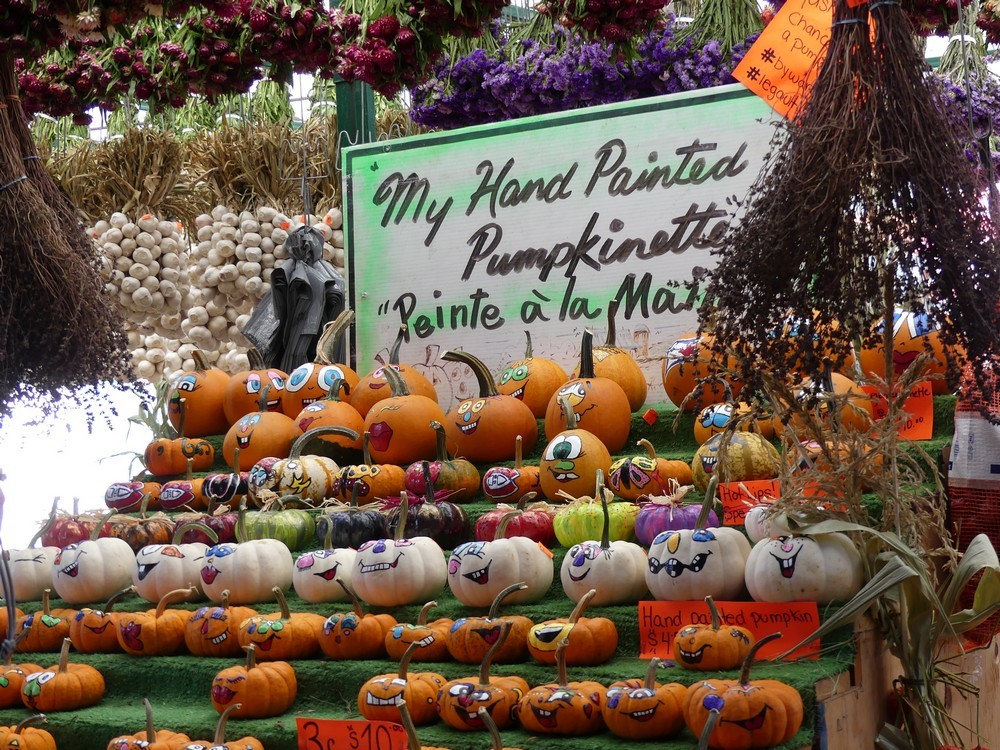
738,497
781,66
659,623
919,408
340,734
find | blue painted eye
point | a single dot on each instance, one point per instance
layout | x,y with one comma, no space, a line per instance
253,383
220,550
186,383
920,324
299,377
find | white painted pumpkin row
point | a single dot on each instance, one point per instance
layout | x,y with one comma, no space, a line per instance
681,566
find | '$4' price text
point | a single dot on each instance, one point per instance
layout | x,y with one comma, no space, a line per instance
336,734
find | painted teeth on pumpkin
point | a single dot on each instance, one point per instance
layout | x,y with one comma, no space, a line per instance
708,463
787,564
468,429
375,567
481,576
567,477
693,657
645,715
243,442
71,570
519,393
425,642
545,718
273,405
374,700
220,638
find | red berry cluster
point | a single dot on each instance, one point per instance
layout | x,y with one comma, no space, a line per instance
221,59
68,84
614,21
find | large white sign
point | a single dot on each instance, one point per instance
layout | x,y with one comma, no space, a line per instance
473,236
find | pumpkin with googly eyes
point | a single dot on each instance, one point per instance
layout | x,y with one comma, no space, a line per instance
311,382
203,390
571,460
687,564
212,631
599,405
483,428
646,711
533,380
244,389
375,386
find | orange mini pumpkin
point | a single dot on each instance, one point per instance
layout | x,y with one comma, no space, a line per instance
712,647
157,632
24,736
646,711
312,381
150,737
375,386
357,634
431,637
203,392
244,389
689,361
95,631
912,335
258,435
283,635
331,411
64,686
642,476
533,380
455,475
45,629
262,690
562,707
472,637
12,679
373,481
614,363
482,428
379,697
589,640
165,456
400,425
571,459
212,631
219,741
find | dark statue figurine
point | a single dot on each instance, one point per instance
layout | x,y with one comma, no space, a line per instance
306,293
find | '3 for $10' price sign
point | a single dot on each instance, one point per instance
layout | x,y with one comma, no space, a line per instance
337,734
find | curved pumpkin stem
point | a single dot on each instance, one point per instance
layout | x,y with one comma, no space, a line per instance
424,612
441,441
587,355
96,533
491,652
355,601
220,728
714,612
366,448
487,384
279,595
173,596
744,678
224,603
412,741
496,743
309,435
525,499
394,351
612,312
255,359
150,729
650,681
404,661
713,719
63,663
180,531
333,392
528,353
562,674
251,656
201,362
648,446
396,383
182,407
495,606
501,532
581,606
404,512
51,519
428,483
36,719
568,414
329,340
706,505
262,398
117,597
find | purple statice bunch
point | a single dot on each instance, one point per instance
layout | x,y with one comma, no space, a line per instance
453,96
984,108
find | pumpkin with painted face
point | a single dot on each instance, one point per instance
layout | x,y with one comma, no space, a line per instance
264,689
647,711
690,359
247,570
459,701
483,428
432,637
688,564
737,457
212,631
533,380
472,637
818,398
259,434
317,572
823,568
511,483
616,570
218,742
641,476
614,363
95,631
715,418
158,632
912,334
333,412
31,567
260,388
12,679
376,385
203,390
562,707
356,634
93,570
167,567
283,635
65,686
599,405
752,714
589,640
43,630
373,481
571,460
24,736
312,381
711,647
379,697
399,426
186,493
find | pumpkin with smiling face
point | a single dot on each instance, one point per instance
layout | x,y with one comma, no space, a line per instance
432,637
312,381
204,390
356,634
260,434
599,405
319,574
711,647
244,389
912,335
734,457
483,428
823,568
589,640
399,426
647,711
533,380
379,697
212,631
562,707
614,363
376,385
283,635
264,689
571,460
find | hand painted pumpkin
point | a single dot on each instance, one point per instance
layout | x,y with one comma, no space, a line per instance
614,363
183,493
716,418
912,334
401,570
218,742
462,702
616,570
583,518
534,522
589,640
482,429
376,385
693,563
93,570
649,711
69,528
221,521
31,568
431,515
203,390
431,637
126,497
562,707
312,381
373,481
636,477
293,527
341,526
599,405
711,647
855,406
511,483
150,737
168,456
406,724
24,736
264,689
533,380
570,461
44,630
316,574
282,636
456,475
12,679
259,388
212,631
379,697
687,364
399,426
247,570
332,412
734,457
228,487
823,568
668,512
472,637
157,632
64,686
758,714
161,568
95,631
479,571
357,634
259,434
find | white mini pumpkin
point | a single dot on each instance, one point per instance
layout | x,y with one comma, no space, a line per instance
393,572
478,571
162,568
758,525
249,570
823,568
93,570
31,572
315,575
